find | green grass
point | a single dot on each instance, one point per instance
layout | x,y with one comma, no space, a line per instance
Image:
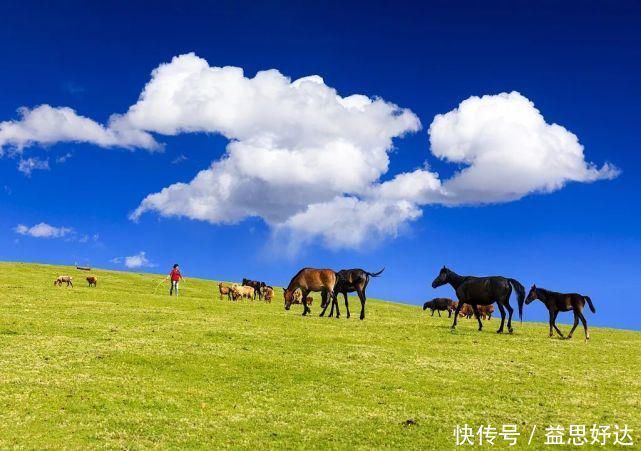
120,367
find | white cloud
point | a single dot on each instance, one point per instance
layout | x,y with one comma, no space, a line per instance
179,159
309,162
63,158
46,125
347,222
138,260
43,230
28,165
509,151
293,143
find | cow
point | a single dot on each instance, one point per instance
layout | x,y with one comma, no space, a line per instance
485,311
439,305
224,291
298,296
63,279
268,293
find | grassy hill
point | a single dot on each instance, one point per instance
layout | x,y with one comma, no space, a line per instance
118,366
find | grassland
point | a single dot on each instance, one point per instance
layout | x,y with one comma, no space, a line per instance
118,366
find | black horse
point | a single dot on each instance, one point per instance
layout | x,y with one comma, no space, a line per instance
562,302
483,291
349,281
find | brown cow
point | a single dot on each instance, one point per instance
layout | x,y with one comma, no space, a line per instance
93,281
298,296
268,293
224,291
485,311
466,311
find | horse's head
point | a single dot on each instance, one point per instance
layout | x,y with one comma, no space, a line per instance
288,296
442,277
532,295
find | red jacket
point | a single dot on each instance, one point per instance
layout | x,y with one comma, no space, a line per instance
175,275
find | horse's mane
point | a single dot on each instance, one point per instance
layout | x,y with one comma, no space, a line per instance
546,292
296,275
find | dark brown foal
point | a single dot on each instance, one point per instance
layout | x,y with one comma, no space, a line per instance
562,302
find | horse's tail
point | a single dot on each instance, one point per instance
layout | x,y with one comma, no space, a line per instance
520,292
587,298
375,274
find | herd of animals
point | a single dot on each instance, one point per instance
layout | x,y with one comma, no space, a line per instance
476,295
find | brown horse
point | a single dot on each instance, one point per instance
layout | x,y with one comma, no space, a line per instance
308,280
562,302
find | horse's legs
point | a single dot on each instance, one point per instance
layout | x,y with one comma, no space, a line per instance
432,312
331,311
510,310
335,302
551,334
346,303
323,296
576,323
478,316
458,309
556,313
306,309
363,298
502,310
585,324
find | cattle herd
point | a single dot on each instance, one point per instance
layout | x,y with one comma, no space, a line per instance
476,295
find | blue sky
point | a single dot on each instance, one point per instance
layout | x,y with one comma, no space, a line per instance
577,63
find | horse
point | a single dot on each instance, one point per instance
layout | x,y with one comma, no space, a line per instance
350,280
311,279
562,302
93,281
483,291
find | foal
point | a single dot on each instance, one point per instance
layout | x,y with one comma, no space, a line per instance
562,302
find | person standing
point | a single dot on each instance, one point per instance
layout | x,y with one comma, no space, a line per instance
175,278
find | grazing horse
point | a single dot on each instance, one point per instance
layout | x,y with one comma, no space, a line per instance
477,291
93,281
562,302
350,280
308,280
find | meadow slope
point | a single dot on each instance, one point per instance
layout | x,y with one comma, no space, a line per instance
118,366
